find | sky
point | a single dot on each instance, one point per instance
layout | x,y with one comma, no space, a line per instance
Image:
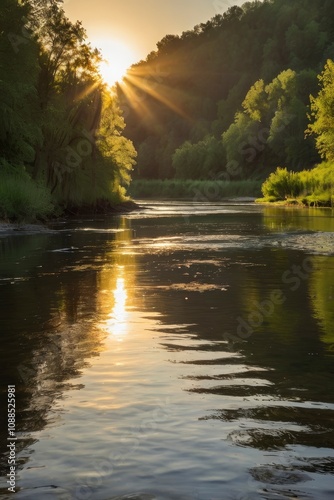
128,30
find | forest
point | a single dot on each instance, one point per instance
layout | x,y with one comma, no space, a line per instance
61,142
241,101
246,95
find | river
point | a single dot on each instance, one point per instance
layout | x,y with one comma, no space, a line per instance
183,351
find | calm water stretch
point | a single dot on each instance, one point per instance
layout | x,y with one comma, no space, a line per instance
184,351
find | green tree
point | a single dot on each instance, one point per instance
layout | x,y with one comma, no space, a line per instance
270,130
69,87
287,139
255,104
20,131
244,141
60,129
322,113
202,160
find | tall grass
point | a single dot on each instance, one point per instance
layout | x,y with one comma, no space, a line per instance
23,200
209,190
309,187
90,188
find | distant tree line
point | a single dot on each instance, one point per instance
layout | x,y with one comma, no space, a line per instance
60,127
232,96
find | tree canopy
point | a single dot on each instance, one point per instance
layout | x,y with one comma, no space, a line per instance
322,113
59,123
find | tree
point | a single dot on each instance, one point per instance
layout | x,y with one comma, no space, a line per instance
287,138
202,160
168,44
270,130
20,131
322,113
60,128
255,103
69,88
244,141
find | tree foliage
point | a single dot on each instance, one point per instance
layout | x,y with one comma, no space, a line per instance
322,113
59,123
246,72
199,161
20,124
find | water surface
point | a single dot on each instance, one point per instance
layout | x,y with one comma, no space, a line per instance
184,351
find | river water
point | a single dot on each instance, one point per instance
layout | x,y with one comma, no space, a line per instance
183,351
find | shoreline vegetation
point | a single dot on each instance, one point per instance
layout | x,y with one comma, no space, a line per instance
308,188
33,226
194,190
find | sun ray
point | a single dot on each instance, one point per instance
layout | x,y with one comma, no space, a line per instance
144,85
137,105
87,91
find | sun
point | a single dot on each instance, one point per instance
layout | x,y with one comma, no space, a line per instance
118,57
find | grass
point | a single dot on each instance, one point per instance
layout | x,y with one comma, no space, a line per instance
193,190
22,200
308,188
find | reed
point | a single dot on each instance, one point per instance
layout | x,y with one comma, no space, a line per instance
195,190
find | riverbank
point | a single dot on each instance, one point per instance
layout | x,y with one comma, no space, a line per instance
102,208
22,200
11,227
295,203
8,227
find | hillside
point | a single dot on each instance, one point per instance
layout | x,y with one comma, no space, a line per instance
230,99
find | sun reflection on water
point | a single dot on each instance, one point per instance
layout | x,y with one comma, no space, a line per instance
116,324
116,282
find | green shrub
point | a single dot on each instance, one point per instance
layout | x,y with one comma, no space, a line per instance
283,184
312,187
21,199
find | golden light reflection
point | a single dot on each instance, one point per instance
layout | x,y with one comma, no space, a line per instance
116,282
116,325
